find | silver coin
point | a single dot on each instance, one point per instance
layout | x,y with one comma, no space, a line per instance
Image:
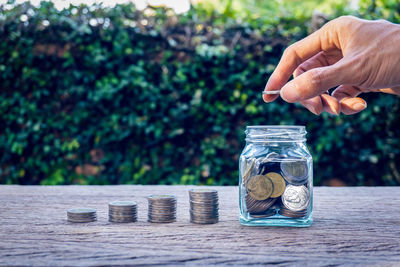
295,172
81,211
198,221
122,213
122,203
211,213
161,198
296,198
122,217
204,208
272,92
120,221
202,191
81,217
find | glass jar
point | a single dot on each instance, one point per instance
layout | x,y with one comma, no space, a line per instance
275,177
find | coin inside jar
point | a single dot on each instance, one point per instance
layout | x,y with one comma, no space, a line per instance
258,206
296,198
278,182
249,169
295,172
260,187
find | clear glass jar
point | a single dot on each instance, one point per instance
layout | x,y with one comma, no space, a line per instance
275,177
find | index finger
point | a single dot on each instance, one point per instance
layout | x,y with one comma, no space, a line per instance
296,54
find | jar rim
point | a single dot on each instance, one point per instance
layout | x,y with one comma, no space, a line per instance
300,127
275,133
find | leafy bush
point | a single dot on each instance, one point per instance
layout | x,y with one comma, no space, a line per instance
95,95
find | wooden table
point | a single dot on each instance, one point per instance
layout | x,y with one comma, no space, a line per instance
352,226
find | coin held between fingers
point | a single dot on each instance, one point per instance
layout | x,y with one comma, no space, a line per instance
274,92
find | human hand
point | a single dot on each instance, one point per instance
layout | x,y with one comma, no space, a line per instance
356,55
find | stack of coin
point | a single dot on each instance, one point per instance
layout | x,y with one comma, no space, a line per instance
162,208
81,215
203,206
122,211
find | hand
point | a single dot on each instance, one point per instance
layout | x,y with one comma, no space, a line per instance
356,55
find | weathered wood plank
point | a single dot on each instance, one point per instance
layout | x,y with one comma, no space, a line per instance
352,226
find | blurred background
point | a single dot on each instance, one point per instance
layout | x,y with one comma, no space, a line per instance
160,92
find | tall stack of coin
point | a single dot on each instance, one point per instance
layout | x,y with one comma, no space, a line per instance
122,211
81,215
203,206
162,208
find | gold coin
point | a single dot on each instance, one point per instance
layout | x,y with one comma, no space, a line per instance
260,187
279,184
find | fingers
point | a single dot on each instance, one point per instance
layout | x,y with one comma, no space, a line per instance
313,104
352,105
330,104
269,98
393,90
321,103
294,55
315,82
349,102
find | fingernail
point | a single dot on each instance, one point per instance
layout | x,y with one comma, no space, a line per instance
334,110
359,106
264,98
313,111
266,85
317,112
289,93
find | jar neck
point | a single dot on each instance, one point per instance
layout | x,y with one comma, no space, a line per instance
275,133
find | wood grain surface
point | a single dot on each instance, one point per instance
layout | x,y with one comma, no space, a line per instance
352,226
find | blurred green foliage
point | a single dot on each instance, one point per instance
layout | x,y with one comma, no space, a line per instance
96,95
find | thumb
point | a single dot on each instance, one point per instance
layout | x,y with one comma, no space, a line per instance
315,82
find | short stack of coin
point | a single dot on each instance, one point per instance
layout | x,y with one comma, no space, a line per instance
122,211
162,208
203,206
81,215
